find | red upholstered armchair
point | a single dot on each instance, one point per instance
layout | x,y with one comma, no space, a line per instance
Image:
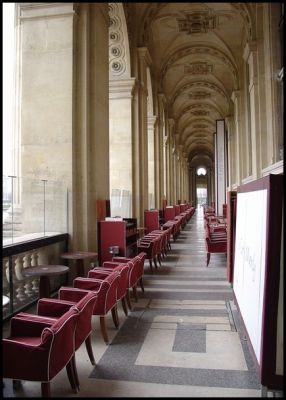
39,350
215,244
135,273
106,291
105,270
150,247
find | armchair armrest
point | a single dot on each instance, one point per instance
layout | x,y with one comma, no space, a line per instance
53,307
28,327
36,317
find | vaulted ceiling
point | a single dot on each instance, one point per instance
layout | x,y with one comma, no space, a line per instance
196,51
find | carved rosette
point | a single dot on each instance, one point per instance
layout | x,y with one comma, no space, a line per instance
117,62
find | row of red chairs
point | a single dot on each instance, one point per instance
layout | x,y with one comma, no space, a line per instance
41,345
157,243
215,234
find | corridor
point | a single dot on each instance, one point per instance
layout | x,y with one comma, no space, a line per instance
182,339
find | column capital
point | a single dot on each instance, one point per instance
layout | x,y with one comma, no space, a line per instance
46,10
152,120
143,53
162,98
249,48
122,88
235,95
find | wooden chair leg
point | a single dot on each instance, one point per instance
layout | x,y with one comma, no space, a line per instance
135,292
46,389
115,316
155,262
74,371
208,258
128,300
151,266
89,349
123,302
71,375
141,284
103,329
159,259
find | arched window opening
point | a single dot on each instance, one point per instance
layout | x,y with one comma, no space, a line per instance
201,171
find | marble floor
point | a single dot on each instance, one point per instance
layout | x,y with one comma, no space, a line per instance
183,337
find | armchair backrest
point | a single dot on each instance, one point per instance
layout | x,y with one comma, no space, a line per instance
123,270
142,255
84,305
106,291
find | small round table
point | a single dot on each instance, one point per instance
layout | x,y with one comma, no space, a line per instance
79,256
44,272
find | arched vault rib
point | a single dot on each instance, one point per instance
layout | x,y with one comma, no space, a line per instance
199,151
205,106
198,84
191,132
197,123
203,50
197,137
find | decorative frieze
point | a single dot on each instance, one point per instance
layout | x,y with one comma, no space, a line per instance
199,85
201,68
201,50
200,126
197,22
199,95
200,113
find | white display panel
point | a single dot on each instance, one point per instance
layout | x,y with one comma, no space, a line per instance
249,264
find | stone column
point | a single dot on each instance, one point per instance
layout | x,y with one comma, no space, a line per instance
193,185
177,168
90,149
170,174
237,150
161,156
167,171
250,56
230,150
151,160
140,139
185,178
209,185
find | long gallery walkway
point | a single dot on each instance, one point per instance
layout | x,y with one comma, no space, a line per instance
182,338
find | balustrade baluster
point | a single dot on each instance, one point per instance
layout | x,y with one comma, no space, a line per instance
28,259
18,278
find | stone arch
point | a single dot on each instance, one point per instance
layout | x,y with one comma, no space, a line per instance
119,54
